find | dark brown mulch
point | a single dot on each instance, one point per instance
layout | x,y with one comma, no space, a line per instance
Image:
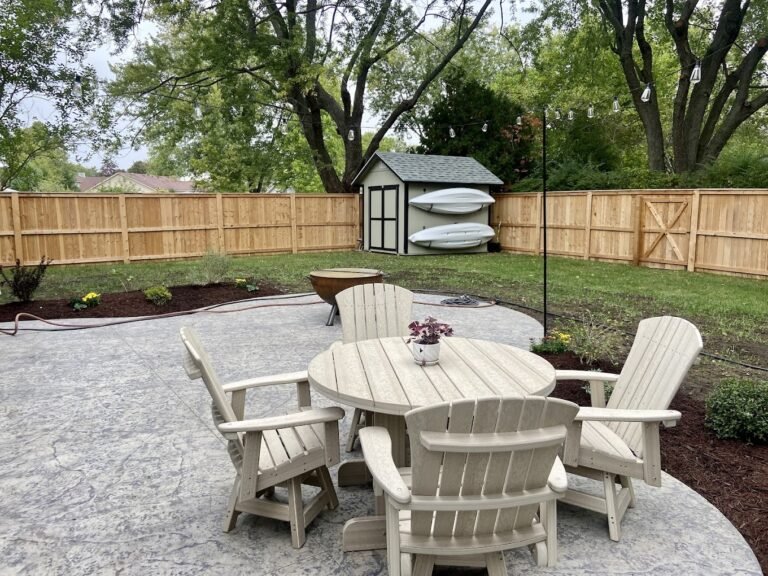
729,474
127,304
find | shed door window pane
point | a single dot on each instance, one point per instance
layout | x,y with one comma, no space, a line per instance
377,197
390,204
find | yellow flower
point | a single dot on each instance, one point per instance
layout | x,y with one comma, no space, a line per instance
91,296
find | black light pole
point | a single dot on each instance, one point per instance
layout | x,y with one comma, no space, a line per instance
544,211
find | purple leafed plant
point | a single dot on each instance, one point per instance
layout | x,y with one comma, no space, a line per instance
428,332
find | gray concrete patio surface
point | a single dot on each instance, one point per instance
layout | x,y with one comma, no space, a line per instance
109,463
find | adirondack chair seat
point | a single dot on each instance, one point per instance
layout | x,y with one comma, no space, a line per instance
600,444
286,451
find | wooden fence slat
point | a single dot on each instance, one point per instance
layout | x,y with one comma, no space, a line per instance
294,233
124,229
18,248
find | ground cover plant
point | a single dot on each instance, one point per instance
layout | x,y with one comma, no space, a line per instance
730,312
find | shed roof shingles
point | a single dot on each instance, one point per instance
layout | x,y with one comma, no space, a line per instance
429,168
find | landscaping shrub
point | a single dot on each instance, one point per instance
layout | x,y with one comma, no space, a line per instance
553,343
88,301
212,268
738,408
25,280
158,295
592,341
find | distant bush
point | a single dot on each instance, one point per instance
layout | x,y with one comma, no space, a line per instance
738,408
212,268
158,295
25,280
592,341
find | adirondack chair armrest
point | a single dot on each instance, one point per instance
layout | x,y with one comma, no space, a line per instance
304,418
377,451
558,479
585,376
299,378
667,417
597,381
271,380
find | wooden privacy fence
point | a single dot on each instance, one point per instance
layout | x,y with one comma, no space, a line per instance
80,228
709,230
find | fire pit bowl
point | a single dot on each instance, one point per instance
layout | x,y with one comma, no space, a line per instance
327,283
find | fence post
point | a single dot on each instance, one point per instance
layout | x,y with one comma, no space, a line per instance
588,227
637,225
693,234
16,215
294,233
539,221
124,228
220,223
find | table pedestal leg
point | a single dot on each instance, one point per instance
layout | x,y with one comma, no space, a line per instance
370,533
332,315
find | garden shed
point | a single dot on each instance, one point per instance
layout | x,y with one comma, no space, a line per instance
425,204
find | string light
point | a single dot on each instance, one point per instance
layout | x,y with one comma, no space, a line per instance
451,132
557,114
351,135
616,107
646,95
519,121
485,126
591,111
571,115
696,74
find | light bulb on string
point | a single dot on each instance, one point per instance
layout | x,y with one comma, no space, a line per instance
557,114
696,74
485,127
451,132
351,135
519,121
616,107
646,95
78,87
571,115
591,111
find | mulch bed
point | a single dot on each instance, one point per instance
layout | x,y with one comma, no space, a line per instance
731,475
127,304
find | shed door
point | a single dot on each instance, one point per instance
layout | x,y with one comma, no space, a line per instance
382,217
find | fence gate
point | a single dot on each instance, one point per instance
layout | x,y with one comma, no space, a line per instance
664,230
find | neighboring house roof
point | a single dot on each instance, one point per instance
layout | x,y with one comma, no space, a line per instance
432,168
86,182
157,183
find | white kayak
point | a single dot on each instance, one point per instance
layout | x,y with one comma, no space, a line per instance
453,201
452,236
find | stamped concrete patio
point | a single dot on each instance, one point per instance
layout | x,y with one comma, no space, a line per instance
109,462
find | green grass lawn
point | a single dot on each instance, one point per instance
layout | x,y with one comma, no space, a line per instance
731,312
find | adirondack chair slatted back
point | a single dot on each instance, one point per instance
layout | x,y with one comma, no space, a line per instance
374,311
507,472
197,363
662,353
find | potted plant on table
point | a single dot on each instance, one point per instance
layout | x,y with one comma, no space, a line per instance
425,339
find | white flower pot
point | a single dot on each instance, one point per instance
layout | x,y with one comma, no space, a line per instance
425,354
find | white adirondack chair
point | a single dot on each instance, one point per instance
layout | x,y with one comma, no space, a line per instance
372,311
620,441
288,450
485,478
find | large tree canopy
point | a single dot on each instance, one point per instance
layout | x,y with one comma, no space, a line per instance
42,76
316,57
725,40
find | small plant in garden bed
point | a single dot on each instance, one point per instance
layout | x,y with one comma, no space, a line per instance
88,301
592,341
158,295
246,283
738,408
25,280
553,343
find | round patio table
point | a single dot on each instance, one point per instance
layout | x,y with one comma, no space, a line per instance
381,377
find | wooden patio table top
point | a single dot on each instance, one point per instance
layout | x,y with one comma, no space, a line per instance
380,375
